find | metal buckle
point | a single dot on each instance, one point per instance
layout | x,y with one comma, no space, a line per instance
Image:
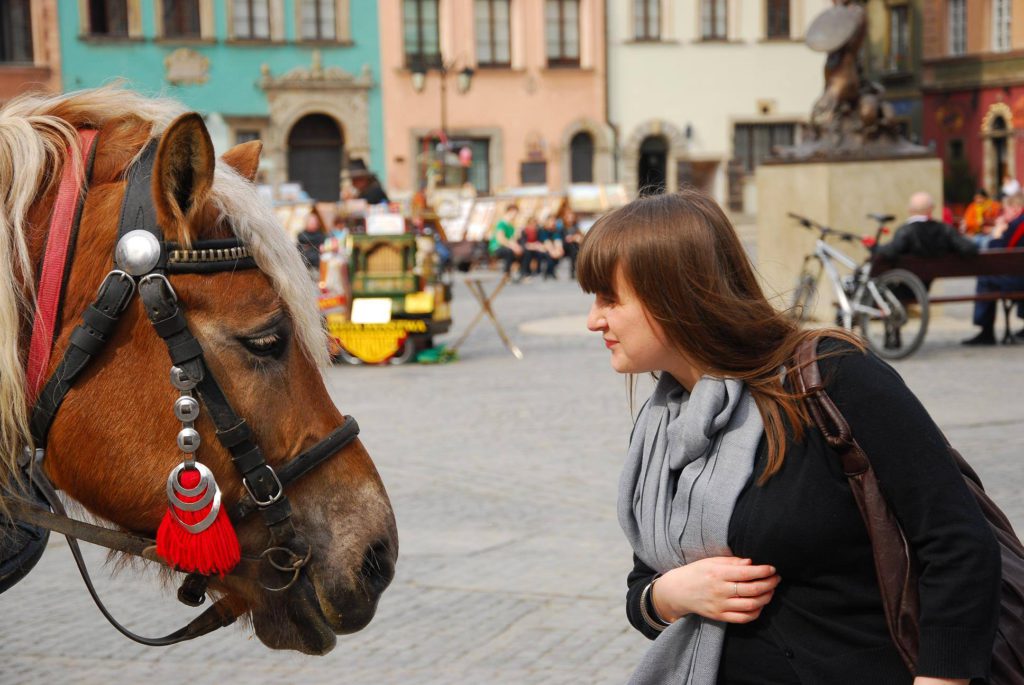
267,503
147,277
124,276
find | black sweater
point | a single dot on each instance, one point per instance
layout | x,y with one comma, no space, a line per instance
825,622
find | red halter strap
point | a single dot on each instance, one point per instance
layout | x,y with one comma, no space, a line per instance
51,279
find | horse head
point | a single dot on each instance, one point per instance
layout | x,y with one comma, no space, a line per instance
112,443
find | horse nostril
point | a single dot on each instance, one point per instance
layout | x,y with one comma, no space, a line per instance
378,567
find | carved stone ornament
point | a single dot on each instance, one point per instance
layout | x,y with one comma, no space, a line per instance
187,67
317,77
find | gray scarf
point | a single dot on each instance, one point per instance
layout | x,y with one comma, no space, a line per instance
689,457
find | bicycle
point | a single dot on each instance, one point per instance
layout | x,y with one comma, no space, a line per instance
890,310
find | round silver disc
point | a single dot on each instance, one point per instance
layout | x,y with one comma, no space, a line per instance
188,440
137,252
186,409
181,380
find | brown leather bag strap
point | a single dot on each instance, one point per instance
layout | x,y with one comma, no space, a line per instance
894,566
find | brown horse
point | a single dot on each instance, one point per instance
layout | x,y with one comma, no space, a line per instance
112,443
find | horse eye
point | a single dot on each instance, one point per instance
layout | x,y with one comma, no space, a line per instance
266,345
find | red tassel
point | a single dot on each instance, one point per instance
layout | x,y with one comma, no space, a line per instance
212,551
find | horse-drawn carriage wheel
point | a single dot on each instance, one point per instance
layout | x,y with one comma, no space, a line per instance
406,354
347,357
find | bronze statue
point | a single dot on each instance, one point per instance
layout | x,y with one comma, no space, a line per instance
850,118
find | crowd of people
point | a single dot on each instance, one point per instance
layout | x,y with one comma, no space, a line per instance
537,246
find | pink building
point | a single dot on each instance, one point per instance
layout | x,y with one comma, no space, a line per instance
535,108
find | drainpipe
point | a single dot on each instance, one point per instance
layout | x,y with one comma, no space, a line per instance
607,94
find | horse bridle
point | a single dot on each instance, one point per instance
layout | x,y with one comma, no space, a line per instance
143,261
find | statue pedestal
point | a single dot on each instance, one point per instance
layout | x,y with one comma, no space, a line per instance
839,194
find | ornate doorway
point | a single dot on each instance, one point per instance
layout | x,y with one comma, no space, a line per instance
315,154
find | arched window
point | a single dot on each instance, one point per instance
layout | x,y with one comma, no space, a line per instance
315,151
581,154
653,168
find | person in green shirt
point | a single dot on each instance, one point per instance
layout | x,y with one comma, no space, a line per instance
503,244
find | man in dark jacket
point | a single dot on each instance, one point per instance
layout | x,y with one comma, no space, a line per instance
1007,233
366,183
922,236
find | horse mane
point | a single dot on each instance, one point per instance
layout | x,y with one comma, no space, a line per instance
36,134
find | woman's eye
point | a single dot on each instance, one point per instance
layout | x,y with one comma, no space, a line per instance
268,345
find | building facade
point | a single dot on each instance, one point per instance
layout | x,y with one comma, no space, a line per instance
517,89
973,85
29,47
893,59
701,90
303,76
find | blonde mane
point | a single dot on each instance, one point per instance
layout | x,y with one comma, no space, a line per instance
35,134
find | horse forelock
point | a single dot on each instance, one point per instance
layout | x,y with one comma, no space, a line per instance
254,223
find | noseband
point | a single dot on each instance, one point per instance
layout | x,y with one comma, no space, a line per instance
143,261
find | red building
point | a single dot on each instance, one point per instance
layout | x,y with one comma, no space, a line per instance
973,91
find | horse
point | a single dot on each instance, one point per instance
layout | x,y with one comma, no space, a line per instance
259,336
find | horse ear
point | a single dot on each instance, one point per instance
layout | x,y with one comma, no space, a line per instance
244,158
182,172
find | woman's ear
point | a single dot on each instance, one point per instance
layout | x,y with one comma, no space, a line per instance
182,175
244,158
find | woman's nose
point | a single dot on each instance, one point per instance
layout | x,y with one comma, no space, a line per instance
595,319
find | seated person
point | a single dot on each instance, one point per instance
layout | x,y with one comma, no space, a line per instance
1008,232
503,244
980,216
922,236
534,254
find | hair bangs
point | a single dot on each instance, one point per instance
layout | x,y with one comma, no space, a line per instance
605,247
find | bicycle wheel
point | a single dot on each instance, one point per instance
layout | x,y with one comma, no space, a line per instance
803,298
899,334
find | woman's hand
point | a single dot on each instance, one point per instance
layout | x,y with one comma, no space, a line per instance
726,589
922,680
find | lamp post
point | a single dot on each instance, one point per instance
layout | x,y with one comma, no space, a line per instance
464,79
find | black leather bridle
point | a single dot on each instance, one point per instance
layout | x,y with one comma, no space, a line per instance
279,567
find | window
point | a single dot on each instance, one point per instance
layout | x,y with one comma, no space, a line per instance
421,33
898,58
776,19
181,19
562,32
493,33
478,173
1001,14
108,18
251,19
533,173
957,16
15,31
752,143
246,135
647,20
581,155
713,19
319,20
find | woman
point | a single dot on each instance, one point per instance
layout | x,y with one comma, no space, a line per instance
751,561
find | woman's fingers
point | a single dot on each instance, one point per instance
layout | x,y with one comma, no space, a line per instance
747,604
742,574
754,588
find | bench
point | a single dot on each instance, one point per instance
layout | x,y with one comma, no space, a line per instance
995,262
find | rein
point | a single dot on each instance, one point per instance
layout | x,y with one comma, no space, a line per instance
143,261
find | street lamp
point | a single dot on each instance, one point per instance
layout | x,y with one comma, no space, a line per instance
463,81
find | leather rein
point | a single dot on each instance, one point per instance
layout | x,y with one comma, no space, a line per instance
279,567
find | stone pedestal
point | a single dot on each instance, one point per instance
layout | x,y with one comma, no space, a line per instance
839,194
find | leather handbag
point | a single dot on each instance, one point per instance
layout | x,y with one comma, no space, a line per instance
895,562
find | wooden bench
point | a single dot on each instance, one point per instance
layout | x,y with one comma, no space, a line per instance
995,262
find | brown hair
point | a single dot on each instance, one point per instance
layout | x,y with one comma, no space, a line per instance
687,266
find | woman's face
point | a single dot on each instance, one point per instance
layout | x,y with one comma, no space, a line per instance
637,342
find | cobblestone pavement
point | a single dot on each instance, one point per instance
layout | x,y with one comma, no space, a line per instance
503,475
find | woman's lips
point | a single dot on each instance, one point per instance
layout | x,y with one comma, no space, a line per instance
610,343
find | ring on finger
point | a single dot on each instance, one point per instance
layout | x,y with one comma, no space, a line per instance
735,589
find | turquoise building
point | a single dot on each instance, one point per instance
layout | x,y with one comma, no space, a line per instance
303,76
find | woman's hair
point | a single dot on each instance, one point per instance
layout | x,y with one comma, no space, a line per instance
682,257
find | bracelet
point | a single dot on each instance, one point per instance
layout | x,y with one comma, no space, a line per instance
647,609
